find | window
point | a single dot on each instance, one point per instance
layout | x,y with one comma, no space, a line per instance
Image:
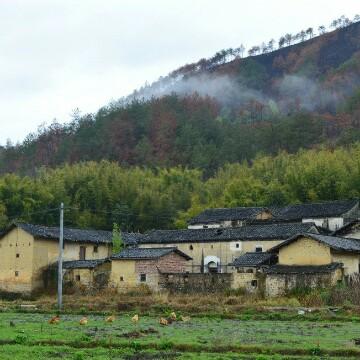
237,245
121,278
82,254
16,273
143,277
254,283
191,247
77,277
17,255
205,227
258,249
212,246
96,249
249,271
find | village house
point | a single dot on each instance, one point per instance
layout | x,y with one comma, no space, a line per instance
329,215
213,249
86,273
229,217
27,252
250,268
312,260
144,266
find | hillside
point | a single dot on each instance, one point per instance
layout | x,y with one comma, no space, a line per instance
218,112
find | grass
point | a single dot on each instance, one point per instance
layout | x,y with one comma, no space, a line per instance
200,338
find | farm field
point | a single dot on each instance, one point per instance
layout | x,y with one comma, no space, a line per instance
30,336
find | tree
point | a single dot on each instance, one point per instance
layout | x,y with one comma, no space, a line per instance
334,24
302,35
310,32
281,42
288,39
356,18
271,44
117,241
322,29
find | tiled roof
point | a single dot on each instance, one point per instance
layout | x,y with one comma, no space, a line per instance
344,230
83,264
314,210
336,243
221,214
250,232
130,239
254,259
147,253
295,269
75,235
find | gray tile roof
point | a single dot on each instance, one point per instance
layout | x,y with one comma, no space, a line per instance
348,227
147,253
254,259
314,210
336,243
295,269
74,235
222,214
250,232
131,239
83,264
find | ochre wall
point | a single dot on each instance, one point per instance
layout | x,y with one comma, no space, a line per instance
305,251
15,242
126,269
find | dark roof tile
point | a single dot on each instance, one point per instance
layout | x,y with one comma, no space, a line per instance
254,259
250,232
147,253
295,269
83,264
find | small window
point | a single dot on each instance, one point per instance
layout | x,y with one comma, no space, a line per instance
250,271
17,255
82,254
205,227
258,249
16,244
16,273
121,278
212,246
77,277
237,245
191,247
29,244
254,283
143,277
96,249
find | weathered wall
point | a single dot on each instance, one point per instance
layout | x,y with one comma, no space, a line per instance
195,283
16,242
305,251
226,251
280,284
123,275
350,261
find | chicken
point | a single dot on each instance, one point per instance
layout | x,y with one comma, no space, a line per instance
173,316
185,318
163,322
54,320
83,321
110,319
135,318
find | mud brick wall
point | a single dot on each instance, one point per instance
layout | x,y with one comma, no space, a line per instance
191,282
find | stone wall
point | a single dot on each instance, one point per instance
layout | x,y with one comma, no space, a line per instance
196,283
280,284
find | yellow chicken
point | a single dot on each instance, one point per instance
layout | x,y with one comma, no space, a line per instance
54,320
135,318
185,318
163,322
83,321
173,316
110,319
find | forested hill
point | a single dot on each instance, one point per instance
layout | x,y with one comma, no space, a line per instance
220,110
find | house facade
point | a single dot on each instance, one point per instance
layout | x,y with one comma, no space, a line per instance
212,250
144,266
27,251
312,260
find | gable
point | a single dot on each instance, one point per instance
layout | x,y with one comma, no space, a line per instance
305,251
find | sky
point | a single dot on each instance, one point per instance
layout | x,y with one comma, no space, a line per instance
56,56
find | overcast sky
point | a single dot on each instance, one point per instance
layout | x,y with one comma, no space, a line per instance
56,56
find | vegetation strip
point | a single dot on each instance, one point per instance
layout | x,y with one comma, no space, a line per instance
316,351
